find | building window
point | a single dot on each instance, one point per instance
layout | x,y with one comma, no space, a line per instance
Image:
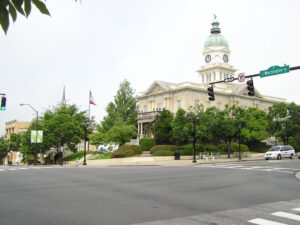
202,78
225,75
208,77
207,105
178,104
214,75
221,76
219,106
159,106
145,108
197,103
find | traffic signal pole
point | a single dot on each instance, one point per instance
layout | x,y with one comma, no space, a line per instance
3,102
231,79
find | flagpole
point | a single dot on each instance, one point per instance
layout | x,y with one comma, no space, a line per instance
89,115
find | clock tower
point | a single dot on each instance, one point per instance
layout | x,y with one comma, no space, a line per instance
216,56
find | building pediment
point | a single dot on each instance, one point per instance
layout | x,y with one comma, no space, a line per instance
242,90
158,87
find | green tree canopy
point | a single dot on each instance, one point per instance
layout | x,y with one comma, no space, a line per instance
120,134
11,8
14,143
3,147
180,128
163,129
123,109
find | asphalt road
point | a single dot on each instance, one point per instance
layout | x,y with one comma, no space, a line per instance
131,195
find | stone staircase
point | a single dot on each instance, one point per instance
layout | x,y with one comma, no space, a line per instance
146,154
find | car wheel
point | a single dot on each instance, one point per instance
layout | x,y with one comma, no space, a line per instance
292,156
267,158
279,157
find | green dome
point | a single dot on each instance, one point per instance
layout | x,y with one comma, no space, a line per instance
216,40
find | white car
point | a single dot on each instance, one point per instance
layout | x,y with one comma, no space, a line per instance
279,152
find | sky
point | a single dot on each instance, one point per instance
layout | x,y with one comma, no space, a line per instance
97,44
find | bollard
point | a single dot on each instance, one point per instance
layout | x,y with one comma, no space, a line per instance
77,163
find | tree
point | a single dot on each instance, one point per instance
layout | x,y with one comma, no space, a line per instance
14,143
13,7
180,129
255,122
284,121
120,134
225,127
163,129
3,147
63,125
123,109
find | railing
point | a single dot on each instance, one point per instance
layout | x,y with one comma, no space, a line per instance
150,114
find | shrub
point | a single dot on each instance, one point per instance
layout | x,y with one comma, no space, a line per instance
186,152
163,153
171,148
234,148
146,144
210,148
198,147
127,151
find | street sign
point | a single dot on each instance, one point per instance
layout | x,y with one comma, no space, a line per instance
38,138
274,70
228,79
241,77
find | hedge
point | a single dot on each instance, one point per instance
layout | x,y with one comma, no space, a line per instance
127,151
163,153
198,147
146,144
171,148
234,148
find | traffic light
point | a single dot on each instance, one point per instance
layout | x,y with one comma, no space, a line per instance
250,87
211,93
3,103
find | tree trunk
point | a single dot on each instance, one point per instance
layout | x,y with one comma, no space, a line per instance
228,147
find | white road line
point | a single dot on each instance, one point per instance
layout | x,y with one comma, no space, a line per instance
287,215
23,168
12,169
296,209
260,221
1,169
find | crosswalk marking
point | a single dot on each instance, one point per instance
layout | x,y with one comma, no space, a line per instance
287,215
260,221
296,209
252,168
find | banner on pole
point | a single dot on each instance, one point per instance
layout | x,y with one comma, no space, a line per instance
36,137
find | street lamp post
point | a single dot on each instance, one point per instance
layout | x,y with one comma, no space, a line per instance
85,124
61,149
36,126
194,121
240,127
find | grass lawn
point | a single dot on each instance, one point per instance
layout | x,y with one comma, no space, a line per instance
103,156
76,155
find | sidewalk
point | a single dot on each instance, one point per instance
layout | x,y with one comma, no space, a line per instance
163,161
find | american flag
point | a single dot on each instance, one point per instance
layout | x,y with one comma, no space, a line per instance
92,99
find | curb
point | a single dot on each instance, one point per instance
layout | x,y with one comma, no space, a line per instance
297,175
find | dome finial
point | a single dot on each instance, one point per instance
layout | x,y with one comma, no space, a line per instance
215,26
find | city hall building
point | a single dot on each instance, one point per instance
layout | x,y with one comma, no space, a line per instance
216,67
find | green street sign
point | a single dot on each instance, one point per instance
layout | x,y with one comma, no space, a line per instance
274,70
38,138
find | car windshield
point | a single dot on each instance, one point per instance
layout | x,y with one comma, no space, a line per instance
274,149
